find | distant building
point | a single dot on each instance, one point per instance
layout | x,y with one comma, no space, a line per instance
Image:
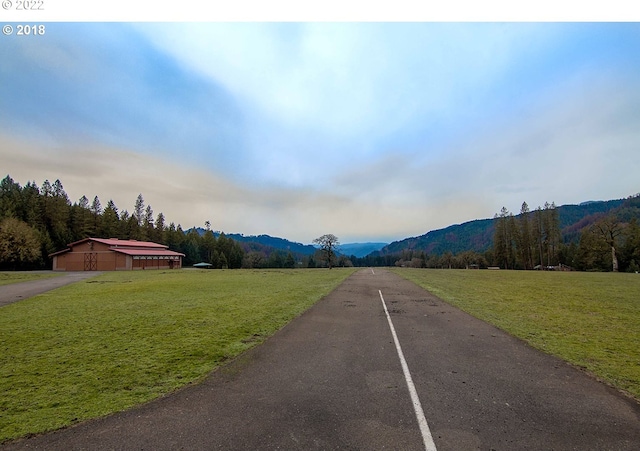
99,254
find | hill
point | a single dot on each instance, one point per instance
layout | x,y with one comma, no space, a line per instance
266,243
477,235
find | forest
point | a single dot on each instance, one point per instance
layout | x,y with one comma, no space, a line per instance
36,221
595,236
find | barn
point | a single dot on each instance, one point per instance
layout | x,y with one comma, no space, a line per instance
99,254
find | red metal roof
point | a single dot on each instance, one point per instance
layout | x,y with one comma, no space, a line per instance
114,242
129,247
148,252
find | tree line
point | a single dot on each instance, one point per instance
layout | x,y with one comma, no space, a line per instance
604,241
37,221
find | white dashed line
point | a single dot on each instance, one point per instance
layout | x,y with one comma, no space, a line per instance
429,445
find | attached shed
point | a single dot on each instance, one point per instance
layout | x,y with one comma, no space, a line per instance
100,254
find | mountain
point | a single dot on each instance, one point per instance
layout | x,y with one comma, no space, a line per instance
266,243
275,243
359,249
474,235
477,235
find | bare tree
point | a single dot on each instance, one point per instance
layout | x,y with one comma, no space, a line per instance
327,245
608,229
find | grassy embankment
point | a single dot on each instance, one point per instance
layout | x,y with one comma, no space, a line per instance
8,277
591,320
124,338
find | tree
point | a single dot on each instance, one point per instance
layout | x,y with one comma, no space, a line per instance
138,210
96,211
327,245
160,232
608,229
110,219
631,248
253,259
526,251
10,198
502,239
290,261
147,229
552,231
208,246
82,221
19,244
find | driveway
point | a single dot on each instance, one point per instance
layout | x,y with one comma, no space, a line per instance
18,291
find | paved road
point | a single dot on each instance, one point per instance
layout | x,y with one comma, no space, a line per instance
18,291
332,380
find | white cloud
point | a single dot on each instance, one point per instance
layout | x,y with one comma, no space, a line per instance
368,131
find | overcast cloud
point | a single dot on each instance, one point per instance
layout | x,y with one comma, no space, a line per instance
369,131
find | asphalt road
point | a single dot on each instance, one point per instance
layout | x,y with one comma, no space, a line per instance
18,291
332,380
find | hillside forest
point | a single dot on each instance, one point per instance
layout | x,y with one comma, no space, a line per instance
36,221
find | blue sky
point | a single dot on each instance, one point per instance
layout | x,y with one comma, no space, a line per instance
369,131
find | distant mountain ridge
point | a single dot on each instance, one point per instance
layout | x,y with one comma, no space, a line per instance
269,243
359,249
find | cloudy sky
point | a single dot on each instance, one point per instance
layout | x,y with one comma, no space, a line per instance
370,131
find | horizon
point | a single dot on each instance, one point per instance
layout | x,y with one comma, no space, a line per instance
375,132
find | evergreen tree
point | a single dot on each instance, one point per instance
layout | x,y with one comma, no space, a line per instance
82,221
160,231
631,249
147,229
96,214
137,220
526,251
124,229
32,205
110,221
138,210
501,240
208,246
11,204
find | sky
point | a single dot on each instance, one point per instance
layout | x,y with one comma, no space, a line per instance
371,131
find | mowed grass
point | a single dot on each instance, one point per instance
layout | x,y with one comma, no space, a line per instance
124,338
591,320
8,277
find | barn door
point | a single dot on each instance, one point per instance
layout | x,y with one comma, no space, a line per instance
90,261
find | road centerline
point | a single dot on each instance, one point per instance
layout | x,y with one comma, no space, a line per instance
417,407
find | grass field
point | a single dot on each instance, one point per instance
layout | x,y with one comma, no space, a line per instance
121,339
7,277
591,320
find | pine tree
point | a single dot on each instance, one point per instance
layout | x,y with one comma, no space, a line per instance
526,251
110,221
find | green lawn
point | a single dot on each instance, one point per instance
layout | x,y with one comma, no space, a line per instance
7,277
589,319
121,339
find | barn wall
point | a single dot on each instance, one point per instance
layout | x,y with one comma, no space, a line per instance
96,256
